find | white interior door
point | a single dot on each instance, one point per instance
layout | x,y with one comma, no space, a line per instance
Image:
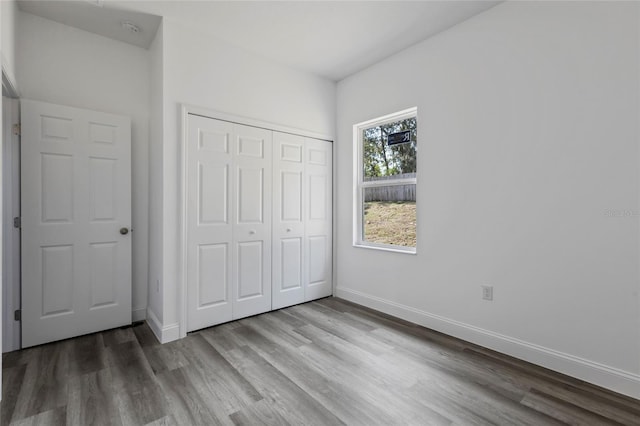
210,182
76,214
252,221
318,208
289,269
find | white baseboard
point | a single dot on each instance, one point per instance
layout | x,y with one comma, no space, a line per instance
138,314
165,334
599,374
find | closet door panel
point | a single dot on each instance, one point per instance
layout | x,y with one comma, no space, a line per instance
209,229
318,219
213,193
252,168
291,265
250,270
291,191
289,268
251,195
212,274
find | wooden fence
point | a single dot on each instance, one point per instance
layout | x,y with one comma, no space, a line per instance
391,193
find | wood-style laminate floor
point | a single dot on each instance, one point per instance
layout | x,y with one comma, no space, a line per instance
328,362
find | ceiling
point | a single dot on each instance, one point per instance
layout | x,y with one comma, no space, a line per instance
332,39
105,21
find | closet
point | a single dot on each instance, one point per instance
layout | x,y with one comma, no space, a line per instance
258,220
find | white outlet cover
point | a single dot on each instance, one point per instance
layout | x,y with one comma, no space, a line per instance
487,292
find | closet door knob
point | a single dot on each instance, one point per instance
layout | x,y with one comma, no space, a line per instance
253,231
288,229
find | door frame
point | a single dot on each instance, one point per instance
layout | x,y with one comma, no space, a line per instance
11,258
185,111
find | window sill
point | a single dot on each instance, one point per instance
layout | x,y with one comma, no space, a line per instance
393,249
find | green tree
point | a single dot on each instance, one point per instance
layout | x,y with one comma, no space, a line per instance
380,159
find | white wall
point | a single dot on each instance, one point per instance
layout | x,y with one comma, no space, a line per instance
156,66
67,66
528,133
8,25
209,73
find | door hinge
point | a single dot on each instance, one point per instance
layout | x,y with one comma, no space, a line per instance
17,130
17,222
17,315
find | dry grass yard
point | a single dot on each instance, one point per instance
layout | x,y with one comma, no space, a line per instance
390,222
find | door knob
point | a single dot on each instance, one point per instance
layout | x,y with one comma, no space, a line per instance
252,231
124,231
288,229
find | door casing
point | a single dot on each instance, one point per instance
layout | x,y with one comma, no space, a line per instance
11,235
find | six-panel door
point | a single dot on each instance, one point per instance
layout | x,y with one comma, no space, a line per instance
228,221
241,260
76,215
302,223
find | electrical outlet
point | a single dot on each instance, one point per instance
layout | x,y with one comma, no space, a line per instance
487,292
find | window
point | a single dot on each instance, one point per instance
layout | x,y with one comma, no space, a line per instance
385,188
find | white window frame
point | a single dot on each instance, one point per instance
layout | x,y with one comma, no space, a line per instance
359,184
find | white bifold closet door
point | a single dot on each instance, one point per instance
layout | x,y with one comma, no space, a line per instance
289,268
228,221
318,222
302,220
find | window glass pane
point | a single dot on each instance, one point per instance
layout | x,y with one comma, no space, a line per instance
384,157
390,215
